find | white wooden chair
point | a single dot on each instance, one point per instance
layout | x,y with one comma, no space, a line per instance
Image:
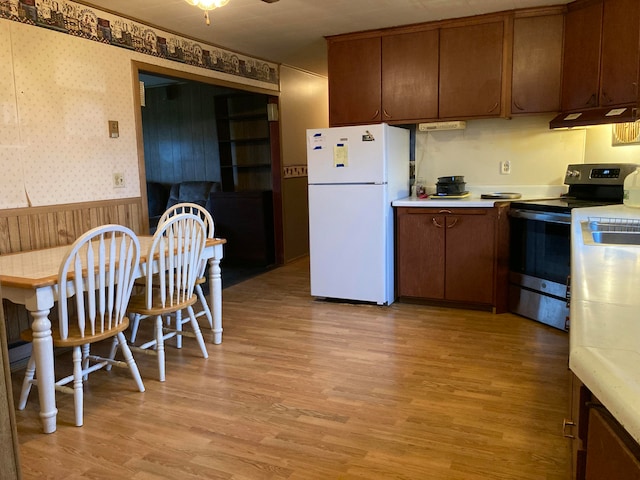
206,217
95,282
177,250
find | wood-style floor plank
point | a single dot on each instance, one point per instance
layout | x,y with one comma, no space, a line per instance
306,389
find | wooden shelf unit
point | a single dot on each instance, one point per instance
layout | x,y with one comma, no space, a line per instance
244,141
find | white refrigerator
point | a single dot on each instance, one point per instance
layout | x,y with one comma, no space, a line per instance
354,174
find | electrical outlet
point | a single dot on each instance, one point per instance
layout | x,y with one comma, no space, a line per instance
505,167
118,180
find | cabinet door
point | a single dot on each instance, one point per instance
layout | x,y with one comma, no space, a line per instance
581,63
471,70
470,257
620,52
577,428
420,253
410,76
611,452
354,81
537,64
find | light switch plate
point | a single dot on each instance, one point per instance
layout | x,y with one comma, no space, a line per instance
114,132
118,180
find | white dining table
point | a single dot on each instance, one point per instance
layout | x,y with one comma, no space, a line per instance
30,279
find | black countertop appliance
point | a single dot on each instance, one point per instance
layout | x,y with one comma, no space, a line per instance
452,185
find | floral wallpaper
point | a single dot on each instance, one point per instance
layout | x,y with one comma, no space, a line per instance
94,25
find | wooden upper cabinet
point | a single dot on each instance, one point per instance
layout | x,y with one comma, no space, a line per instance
581,56
471,59
410,76
354,68
537,64
620,52
601,54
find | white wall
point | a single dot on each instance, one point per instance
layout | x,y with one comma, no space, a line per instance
538,156
599,147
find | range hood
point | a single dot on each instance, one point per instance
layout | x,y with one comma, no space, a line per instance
597,116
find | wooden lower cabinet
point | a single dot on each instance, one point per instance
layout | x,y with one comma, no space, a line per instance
575,427
611,452
602,448
448,254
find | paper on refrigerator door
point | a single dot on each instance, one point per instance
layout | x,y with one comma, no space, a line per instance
340,155
317,141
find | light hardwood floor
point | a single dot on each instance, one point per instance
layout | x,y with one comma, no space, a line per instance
307,389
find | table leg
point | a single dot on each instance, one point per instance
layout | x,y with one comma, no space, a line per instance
43,354
215,294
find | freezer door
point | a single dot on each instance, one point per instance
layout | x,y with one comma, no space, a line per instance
349,233
347,155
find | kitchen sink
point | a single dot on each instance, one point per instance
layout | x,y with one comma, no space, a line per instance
620,238
618,231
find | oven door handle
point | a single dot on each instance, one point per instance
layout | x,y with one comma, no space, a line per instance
561,218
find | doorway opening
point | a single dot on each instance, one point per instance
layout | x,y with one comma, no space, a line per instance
218,146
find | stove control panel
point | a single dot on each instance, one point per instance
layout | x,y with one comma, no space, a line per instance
605,173
598,173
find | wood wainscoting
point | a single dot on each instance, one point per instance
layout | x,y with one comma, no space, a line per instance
33,228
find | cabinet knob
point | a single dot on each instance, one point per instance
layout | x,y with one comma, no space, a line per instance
592,100
494,107
453,223
435,222
517,106
385,113
376,115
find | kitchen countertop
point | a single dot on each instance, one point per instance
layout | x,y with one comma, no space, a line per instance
605,317
529,192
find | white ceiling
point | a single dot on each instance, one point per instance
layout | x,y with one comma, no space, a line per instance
292,32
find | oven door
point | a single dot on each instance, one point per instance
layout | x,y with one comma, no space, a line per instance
539,264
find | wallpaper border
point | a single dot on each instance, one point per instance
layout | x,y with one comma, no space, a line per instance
95,25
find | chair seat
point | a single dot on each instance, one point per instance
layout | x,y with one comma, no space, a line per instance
74,338
138,304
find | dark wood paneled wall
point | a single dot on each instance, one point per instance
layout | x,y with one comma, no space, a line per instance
23,229
180,134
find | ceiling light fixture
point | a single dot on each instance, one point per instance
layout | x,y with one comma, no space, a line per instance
207,5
